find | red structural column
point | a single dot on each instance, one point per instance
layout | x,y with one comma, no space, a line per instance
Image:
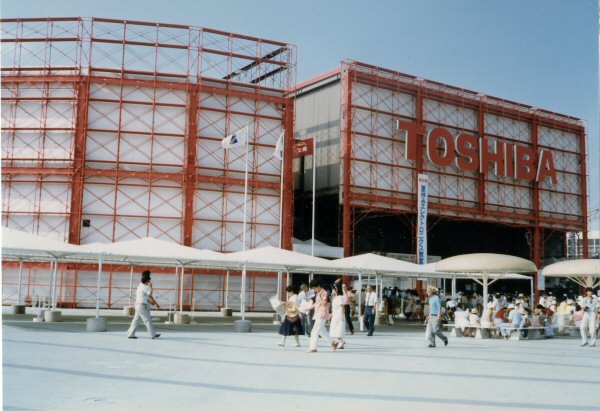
288,174
83,89
481,130
584,207
537,231
190,164
347,210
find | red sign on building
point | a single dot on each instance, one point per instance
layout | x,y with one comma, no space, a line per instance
304,147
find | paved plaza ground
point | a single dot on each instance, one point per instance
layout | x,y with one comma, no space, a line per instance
209,367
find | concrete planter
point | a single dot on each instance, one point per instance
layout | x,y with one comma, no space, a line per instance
52,316
226,312
181,318
18,308
242,326
96,324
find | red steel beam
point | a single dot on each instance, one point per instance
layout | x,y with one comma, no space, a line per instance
584,207
190,166
288,175
347,148
79,161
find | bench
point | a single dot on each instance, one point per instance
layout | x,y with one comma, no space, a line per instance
480,332
533,333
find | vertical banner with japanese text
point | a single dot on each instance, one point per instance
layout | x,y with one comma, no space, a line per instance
422,219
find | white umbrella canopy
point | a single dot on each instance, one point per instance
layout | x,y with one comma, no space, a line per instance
481,266
22,245
278,259
485,262
585,272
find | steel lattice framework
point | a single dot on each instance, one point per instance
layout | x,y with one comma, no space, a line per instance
111,130
375,175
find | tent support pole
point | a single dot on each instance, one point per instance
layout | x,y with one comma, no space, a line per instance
485,287
243,293
532,303
359,292
453,286
279,284
20,279
98,286
131,285
181,290
227,289
54,284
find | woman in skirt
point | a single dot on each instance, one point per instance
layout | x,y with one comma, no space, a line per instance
337,327
291,324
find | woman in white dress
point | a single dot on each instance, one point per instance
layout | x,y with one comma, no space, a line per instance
337,327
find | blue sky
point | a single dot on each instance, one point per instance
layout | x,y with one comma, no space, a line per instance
539,52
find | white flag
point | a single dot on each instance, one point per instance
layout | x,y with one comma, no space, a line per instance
278,153
236,139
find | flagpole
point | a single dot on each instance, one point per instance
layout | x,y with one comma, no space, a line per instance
279,274
314,183
243,296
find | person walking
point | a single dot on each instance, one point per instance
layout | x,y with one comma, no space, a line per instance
143,295
304,299
589,305
321,307
434,318
337,327
291,325
370,309
347,299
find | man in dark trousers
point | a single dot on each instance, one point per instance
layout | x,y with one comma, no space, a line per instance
143,295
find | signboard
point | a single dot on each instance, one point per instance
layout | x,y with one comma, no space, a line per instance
303,148
422,219
541,281
471,153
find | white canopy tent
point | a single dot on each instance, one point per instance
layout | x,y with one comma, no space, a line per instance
379,266
483,267
585,272
22,246
477,276
275,260
151,251
321,249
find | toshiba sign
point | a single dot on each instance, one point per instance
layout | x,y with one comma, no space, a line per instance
470,153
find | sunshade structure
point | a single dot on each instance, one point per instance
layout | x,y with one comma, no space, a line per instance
320,249
275,260
585,272
21,246
150,251
483,267
469,276
378,265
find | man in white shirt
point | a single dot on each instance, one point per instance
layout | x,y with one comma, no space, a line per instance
143,295
370,309
589,305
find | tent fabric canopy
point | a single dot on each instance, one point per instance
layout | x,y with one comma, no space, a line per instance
19,244
278,259
149,250
573,268
585,272
377,264
485,262
470,276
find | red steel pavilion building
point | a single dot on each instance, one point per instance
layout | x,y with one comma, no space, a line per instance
111,131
